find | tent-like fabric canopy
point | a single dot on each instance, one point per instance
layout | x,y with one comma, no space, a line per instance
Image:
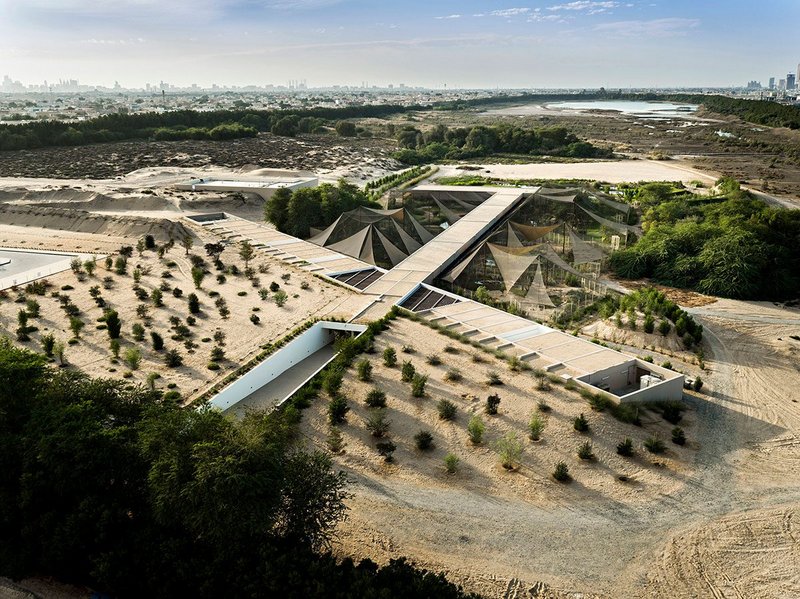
534,233
550,254
396,255
456,271
423,233
353,245
322,237
537,292
513,240
583,252
412,245
619,227
451,216
512,265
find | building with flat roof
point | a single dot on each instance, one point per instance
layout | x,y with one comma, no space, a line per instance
263,186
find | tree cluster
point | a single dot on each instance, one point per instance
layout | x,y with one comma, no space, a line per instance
442,142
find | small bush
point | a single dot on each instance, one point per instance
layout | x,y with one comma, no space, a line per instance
389,357
157,340
585,451
450,349
447,409
678,436
386,449
332,381
376,422
408,349
599,403
280,298
376,399
514,364
509,447
407,371
433,360
671,412
364,369
475,429
625,448
173,359
255,319
451,463
423,440
492,404
580,424
697,384
418,383
654,445
335,440
561,473
453,375
492,378
478,359
542,406
213,366
337,410
535,426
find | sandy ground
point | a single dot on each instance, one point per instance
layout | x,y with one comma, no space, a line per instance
484,521
720,520
612,171
92,354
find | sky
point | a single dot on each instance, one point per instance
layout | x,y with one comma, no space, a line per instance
432,43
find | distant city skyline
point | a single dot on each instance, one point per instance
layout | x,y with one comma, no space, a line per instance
465,44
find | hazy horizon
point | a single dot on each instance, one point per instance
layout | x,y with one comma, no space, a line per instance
474,44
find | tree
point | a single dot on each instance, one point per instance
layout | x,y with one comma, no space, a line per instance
133,358
157,341
285,127
48,342
492,403
346,129
280,298
337,409
509,447
535,426
156,296
580,423
194,303
376,422
115,347
76,325
389,357
173,358
198,274
33,308
90,265
187,241
113,324
246,252
276,208
475,429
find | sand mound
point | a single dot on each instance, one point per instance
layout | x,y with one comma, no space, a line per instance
80,221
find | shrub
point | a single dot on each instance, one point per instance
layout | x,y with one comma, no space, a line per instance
514,364
364,369
376,422
137,330
177,292
386,449
158,341
451,463
671,412
447,409
198,274
667,364
450,349
133,357
492,378
173,359
418,383
407,371
113,323
625,448
194,303
335,440
697,384
561,473
280,298
649,324
664,327
423,440
599,403
115,347
542,406
453,375
492,403
213,366
585,451
389,357
475,429
217,354
433,360
376,399
654,445
678,436
509,448
478,359
33,308
580,424
542,382
337,410
255,319
48,342
535,426
407,349
156,296
332,381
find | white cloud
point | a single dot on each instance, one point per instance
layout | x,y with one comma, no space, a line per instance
510,12
450,17
674,27
586,6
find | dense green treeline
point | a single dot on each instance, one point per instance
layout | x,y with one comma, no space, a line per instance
295,213
732,246
118,127
110,485
441,142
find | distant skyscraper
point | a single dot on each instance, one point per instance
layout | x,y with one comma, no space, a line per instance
772,82
790,81
781,84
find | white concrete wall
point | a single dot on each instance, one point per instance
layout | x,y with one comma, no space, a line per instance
669,389
309,342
